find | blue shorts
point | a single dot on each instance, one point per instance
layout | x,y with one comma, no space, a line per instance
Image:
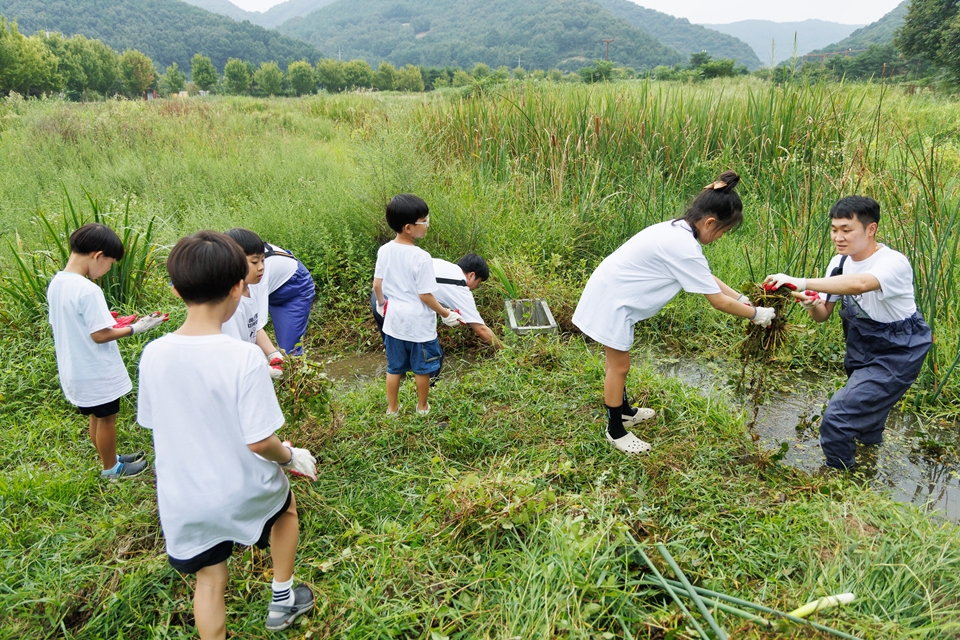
423,358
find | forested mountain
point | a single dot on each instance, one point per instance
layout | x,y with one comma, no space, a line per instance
879,32
810,35
681,35
537,34
226,8
166,30
275,15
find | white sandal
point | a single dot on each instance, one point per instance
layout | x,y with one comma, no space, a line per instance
642,414
629,444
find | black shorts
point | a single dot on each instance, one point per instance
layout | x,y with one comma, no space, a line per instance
223,550
102,410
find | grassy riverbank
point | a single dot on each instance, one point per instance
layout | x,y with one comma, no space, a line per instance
502,514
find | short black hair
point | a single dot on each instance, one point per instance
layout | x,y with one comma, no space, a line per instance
205,266
864,209
472,263
251,243
94,237
405,209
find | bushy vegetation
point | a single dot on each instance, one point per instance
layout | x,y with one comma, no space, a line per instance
505,501
561,34
165,30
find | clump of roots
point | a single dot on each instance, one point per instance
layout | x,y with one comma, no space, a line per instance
761,343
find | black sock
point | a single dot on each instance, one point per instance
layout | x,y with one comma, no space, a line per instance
615,423
625,408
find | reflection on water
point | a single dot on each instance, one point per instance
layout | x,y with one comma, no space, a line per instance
364,367
907,465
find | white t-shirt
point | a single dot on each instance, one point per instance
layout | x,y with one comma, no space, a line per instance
249,316
407,271
894,301
277,270
638,279
454,296
206,398
91,374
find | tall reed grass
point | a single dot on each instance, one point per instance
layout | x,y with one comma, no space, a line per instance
620,157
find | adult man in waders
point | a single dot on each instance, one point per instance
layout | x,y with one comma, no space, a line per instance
887,338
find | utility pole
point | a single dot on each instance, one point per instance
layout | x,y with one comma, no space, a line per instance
607,42
339,54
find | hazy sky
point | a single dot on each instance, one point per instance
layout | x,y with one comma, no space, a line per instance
712,12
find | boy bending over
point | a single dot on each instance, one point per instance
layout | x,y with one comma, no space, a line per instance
211,406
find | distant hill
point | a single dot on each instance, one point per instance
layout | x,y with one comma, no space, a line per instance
810,35
274,16
166,30
879,32
681,35
540,34
226,8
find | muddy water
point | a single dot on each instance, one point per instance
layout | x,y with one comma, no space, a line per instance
905,465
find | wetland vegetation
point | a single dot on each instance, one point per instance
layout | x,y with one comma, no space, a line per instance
504,513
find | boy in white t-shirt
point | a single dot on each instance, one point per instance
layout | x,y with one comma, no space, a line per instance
455,286
209,402
92,374
248,321
403,285
641,277
887,339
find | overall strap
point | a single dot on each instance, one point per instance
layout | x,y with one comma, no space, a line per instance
456,283
268,251
839,270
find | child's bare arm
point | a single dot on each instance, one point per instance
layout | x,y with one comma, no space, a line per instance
272,449
111,334
378,290
263,341
431,301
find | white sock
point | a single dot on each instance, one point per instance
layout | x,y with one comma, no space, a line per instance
283,592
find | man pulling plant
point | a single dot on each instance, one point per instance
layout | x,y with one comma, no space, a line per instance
887,338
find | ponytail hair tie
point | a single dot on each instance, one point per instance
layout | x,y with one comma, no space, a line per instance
716,186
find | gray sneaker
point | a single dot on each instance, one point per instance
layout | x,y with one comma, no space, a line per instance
132,457
124,470
281,616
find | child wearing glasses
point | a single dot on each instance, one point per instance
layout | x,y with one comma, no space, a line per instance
404,283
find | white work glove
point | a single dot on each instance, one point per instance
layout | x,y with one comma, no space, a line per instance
763,316
151,321
382,309
808,299
453,319
276,373
275,358
302,463
777,280
743,299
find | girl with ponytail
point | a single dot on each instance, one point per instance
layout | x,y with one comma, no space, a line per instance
637,280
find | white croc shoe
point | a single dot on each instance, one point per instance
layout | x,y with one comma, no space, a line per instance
642,414
629,444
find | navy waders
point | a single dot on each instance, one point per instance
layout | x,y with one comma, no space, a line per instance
882,360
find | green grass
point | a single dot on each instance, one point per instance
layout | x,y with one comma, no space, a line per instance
504,514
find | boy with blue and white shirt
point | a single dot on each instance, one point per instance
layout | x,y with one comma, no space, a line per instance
404,283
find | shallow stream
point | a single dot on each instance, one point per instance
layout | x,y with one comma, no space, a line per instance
916,463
